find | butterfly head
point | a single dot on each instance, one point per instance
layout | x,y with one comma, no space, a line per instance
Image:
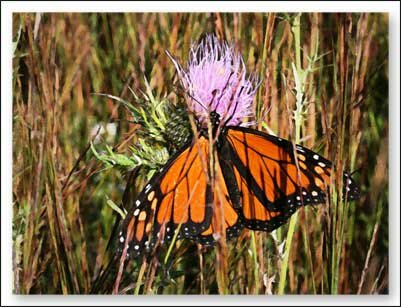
214,119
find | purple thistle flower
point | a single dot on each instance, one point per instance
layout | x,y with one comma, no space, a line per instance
215,80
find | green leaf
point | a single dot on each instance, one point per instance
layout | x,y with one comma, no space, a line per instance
116,208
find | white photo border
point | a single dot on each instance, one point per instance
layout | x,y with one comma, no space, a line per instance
7,8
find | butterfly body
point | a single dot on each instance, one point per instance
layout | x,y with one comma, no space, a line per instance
214,186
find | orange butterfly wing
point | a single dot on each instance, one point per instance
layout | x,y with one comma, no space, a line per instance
176,197
180,198
273,178
225,219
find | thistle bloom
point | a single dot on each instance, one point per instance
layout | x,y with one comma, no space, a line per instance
215,80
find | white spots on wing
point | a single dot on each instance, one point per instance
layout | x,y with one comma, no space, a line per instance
147,188
120,233
304,193
136,212
138,202
298,198
322,164
349,181
299,148
122,239
316,157
136,247
314,193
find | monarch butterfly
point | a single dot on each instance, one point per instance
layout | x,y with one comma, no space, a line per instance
256,181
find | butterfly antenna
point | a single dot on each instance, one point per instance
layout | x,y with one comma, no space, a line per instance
235,108
200,103
223,90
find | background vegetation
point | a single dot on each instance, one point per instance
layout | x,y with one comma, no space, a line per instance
62,221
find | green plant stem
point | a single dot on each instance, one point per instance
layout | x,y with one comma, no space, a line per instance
139,279
255,261
298,123
284,264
